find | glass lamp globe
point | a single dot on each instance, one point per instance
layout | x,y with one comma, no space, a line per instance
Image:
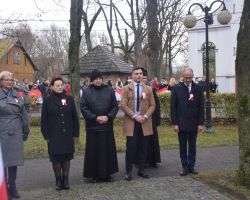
224,17
189,21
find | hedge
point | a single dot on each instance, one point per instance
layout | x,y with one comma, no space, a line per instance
223,106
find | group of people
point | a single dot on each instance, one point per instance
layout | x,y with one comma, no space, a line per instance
60,125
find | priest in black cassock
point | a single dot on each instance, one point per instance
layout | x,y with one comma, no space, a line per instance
99,108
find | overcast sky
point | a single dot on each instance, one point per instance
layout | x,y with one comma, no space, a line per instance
34,10
42,13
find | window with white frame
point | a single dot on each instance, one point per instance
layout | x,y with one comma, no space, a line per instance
16,57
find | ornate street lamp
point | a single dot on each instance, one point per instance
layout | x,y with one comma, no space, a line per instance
189,21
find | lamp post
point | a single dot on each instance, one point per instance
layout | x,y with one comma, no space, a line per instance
190,20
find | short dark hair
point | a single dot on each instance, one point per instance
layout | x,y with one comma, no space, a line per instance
137,68
144,71
54,79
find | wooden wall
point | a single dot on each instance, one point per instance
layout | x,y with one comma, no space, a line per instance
22,70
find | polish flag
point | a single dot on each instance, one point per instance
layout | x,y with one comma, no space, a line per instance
3,192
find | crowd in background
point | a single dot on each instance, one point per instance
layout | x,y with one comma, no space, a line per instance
154,83
44,87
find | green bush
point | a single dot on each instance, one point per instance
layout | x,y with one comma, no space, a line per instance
223,107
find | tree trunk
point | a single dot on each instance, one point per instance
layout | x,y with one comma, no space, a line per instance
243,94
138,37
153,39
170,69
74,44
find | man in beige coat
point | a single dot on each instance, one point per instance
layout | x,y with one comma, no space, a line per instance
138,105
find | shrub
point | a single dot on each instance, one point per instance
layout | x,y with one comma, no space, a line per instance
223,107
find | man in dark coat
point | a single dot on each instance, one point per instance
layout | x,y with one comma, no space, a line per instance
187,114
99,108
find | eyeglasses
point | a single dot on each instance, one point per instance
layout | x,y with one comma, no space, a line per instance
8,80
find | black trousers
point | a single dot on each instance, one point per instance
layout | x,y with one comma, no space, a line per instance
10,176
136,146
187,153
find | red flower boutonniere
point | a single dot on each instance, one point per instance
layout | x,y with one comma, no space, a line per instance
143,95
64,103
191,97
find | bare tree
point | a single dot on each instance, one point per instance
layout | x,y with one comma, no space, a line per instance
243,94
50,52
109,21
88,26
171,32
76,12
135,24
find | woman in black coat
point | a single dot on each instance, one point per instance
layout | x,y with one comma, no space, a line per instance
59,125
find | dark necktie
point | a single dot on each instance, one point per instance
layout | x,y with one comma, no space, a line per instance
138,98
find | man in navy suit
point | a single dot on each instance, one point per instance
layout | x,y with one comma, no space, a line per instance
187,115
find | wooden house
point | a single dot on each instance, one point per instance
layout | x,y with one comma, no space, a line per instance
101,58
15,59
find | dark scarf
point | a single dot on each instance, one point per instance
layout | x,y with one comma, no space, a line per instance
97,87
59,95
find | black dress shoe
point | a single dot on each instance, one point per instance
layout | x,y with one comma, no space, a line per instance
153,165
128,176
15,195
109,179
184,172
59,185
65,183
143,174
193,171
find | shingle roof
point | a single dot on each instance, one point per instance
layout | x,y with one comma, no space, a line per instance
7,43
104,60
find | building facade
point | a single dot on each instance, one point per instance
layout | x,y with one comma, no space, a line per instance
15,59
222,43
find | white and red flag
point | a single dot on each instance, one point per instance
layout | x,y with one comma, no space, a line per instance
3,191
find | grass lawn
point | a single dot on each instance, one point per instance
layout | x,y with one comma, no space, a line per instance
36,147
225,182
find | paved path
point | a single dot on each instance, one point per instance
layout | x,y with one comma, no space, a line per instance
38,173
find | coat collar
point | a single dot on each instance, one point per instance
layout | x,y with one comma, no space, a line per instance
131,86
3,95
193,86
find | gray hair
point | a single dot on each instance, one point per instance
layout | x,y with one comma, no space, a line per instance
4,74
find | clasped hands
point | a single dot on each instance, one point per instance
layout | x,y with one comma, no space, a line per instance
140,119
102,119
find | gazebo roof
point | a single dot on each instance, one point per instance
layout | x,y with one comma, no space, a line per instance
104,60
